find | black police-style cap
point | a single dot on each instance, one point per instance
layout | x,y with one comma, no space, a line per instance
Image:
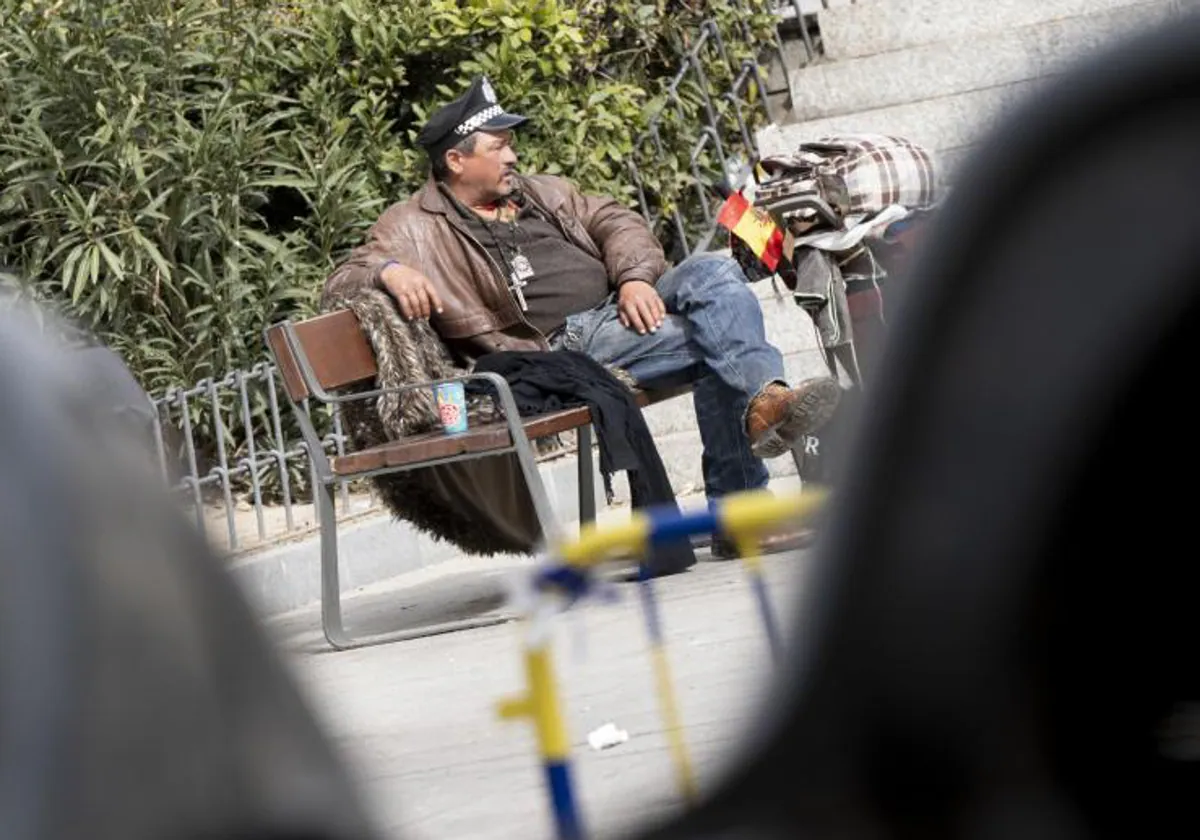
475,110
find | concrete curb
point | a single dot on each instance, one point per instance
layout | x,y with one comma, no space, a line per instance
372,547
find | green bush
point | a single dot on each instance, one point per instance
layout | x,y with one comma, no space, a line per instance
177,174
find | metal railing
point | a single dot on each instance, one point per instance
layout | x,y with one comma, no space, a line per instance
244,488
251,456
724,114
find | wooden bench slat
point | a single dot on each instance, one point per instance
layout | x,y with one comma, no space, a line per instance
338,351
434,445
417,449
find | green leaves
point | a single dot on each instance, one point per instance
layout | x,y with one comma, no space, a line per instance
178,174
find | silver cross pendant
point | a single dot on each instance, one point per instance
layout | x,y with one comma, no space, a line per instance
522,270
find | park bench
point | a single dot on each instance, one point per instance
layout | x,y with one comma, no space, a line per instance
318,357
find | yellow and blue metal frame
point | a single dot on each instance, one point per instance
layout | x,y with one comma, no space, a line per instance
542,705
665,686
740,515
742,518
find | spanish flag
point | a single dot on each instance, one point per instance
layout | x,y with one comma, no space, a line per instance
754,227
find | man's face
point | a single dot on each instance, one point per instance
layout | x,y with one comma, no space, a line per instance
488,170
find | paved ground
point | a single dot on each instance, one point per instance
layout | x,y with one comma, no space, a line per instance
416,719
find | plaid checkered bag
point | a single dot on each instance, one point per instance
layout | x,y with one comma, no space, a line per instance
877,170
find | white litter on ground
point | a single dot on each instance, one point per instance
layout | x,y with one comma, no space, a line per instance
607,736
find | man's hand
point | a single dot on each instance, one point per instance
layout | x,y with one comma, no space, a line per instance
639,307
412,290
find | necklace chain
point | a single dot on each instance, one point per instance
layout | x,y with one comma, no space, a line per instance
517,266
512,233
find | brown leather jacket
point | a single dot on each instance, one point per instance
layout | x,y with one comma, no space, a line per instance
480,316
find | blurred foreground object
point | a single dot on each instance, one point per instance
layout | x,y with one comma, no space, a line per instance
568,574
112,389
1000,637
138,698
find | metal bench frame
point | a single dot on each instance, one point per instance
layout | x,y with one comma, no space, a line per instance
327,480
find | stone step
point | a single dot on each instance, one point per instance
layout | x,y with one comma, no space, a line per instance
965,64
869,27
939,124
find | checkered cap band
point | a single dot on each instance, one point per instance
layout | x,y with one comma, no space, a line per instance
473,123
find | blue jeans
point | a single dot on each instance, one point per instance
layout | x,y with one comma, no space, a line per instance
714,337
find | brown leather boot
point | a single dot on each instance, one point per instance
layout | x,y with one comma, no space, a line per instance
779,416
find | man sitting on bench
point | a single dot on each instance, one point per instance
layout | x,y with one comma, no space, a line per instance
497,260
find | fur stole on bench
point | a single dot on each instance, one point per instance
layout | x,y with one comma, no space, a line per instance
481,506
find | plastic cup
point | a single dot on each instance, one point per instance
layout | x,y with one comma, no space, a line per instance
451,399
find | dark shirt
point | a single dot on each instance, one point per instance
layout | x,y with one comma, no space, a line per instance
565,279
